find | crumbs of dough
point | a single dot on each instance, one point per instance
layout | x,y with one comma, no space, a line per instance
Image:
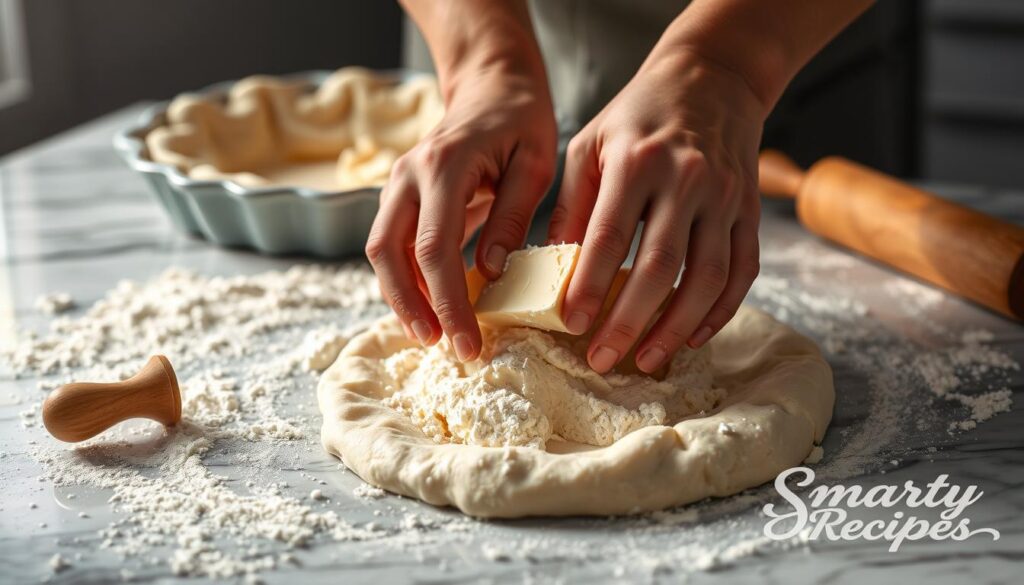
530,386
815,456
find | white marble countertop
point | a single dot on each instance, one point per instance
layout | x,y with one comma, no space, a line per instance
73,218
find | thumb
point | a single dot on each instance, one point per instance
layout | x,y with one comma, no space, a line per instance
524,183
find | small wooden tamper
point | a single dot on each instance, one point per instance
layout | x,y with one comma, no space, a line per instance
74,412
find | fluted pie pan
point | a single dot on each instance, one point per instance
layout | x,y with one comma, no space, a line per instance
271,219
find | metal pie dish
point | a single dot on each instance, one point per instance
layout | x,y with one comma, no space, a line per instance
270,219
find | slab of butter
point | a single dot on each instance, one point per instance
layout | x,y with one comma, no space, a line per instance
529,293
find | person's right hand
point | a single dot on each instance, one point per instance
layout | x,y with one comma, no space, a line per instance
498,134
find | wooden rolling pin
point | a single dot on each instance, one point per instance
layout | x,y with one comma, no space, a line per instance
966,252
74,412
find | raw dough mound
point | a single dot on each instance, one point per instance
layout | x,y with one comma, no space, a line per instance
345,134
775,402
530,385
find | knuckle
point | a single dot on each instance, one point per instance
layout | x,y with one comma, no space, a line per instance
429,247
591,293
610,241
671,337
659,265
649,152
538,168
447,311
560,214
749,269
711,277
377,250
577,148
400,166
399,304
512,225
434,153
619,330
693,163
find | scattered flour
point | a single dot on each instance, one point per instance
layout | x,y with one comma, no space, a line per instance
808,254
242,347
983,407
947,371
321,347
921,297
229,341
368,491
900,375
189,317
58,563
53,304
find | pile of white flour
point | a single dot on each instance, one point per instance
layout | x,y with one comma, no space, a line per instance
531,386
244,347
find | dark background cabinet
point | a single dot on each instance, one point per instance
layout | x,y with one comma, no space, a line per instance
973,91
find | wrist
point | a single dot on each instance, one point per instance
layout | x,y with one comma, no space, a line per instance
489,63
470,38
765,70
703,75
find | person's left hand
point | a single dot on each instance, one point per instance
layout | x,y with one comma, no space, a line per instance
676,148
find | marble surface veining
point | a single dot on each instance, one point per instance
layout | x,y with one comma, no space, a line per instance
74,218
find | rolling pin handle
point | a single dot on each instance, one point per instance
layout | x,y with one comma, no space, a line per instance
779,176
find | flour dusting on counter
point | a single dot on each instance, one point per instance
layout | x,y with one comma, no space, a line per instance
247,349
240,348
929,377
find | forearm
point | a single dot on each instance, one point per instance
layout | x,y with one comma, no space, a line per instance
764,42
468,36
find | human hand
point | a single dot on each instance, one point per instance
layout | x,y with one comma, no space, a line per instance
498,134
677,148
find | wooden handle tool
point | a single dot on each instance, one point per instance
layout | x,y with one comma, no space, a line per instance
80,410
966,252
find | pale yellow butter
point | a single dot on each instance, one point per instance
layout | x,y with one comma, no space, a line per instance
529,293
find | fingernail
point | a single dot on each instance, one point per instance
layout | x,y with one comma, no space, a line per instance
422,330
463,347
700,337
578,323
650,359
604,358
495,258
